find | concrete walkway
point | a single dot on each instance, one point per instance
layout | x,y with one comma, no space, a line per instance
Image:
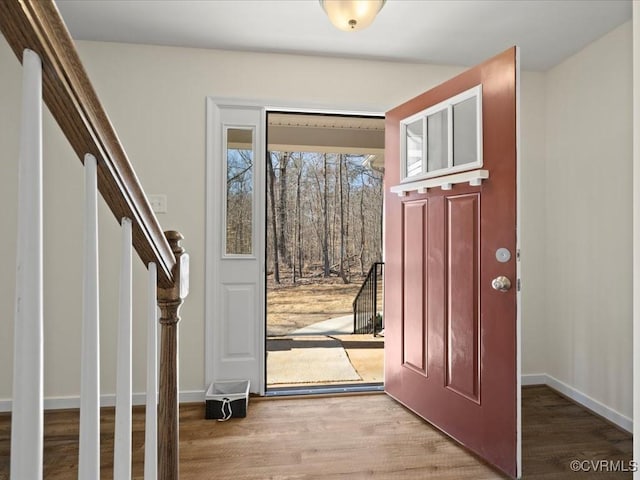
364,351
333,326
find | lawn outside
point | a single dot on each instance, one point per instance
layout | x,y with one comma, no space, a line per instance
311,300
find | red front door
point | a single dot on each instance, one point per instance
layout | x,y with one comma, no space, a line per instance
451,337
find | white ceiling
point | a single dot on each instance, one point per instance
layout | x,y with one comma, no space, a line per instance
455,32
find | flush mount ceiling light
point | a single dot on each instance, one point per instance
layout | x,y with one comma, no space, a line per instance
352,15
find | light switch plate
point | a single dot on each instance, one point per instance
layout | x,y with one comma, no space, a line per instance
158,203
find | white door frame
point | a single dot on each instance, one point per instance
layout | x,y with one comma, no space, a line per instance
636,234
213,316
234,284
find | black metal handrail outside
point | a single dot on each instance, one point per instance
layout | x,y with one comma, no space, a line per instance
366,317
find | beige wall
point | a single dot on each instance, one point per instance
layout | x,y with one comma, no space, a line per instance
155,97
588,208
532,222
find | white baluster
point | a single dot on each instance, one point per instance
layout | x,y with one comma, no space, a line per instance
122,443
26,415
89,452
151,416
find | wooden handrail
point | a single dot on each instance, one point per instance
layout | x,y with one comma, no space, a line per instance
67,91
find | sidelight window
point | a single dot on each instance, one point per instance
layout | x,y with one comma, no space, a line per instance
239,198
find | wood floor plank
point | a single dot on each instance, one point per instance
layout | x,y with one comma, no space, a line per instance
557,431
354,437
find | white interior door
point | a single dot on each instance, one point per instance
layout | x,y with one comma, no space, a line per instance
234,305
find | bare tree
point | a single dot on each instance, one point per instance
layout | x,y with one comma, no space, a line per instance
325,219
363,237
272,205
324,211
239,201
282,208
298,225
342,231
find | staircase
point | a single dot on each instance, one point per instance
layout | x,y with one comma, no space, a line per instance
53,73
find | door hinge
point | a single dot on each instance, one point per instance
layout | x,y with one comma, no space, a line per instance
518,285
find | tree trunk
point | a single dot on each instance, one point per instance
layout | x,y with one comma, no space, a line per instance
347,217
340,185
363,238
334,215
282,209
299,245
325,218
272,204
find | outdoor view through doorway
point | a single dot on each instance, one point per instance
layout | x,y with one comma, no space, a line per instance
324,177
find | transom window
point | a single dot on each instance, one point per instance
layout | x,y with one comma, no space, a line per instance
445,138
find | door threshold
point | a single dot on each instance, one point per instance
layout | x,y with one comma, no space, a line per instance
324,390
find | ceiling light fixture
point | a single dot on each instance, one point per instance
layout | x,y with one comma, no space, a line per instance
352,15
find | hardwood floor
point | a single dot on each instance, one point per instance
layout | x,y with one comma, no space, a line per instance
557,431
354,437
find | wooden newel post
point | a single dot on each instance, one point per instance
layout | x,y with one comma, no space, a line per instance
169,301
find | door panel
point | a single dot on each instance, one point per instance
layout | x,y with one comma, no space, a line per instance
462,329
450,338
238,338
415,214
235,248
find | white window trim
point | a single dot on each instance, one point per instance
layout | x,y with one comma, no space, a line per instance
474,92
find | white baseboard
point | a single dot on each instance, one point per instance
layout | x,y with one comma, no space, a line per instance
533,379
108,400
581,398
624,422
5,406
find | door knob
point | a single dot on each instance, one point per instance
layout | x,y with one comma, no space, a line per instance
501,283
